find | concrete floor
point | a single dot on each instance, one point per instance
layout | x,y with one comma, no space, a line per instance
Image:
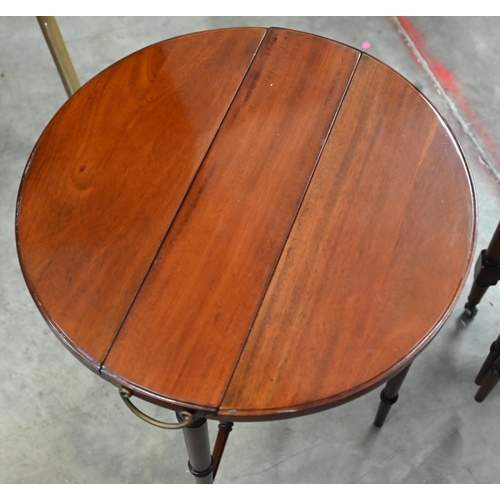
59,423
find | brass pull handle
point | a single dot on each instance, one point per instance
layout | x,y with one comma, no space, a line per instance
187,417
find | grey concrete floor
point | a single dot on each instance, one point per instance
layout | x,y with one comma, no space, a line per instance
59,423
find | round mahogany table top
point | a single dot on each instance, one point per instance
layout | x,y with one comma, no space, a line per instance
246,223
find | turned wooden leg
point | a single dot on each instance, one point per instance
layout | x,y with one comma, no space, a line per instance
224,429
476,294
490,359
198,448
202,464
486,274
489,381
389,396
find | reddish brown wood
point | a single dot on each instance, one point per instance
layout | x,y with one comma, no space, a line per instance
389,396
220,444
374,263
199,300
492,357
109,173
489,381
271,294
487,273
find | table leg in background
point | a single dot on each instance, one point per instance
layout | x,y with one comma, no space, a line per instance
493,355
488,381
486,274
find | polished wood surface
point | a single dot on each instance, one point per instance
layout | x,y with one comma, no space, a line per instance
375,257
228,235
268,223
109,173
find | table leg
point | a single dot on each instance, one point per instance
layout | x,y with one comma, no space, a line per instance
220,444
489,374
198,448
489,381
493,355
389,396
486,273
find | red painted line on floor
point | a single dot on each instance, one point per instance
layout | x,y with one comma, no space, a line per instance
448,81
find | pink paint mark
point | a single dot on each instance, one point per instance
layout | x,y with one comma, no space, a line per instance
445,77
366,45
447,80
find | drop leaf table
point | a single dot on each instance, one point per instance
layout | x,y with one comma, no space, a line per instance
246,224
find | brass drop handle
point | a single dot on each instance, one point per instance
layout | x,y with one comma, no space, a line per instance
187,417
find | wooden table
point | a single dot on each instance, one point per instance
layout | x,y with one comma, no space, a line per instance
247,224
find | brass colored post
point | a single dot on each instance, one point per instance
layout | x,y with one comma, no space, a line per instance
58,50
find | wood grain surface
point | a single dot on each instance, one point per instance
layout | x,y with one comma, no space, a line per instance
375,258
109,173
224,243
250,223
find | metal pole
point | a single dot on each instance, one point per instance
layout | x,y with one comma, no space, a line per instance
58,50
